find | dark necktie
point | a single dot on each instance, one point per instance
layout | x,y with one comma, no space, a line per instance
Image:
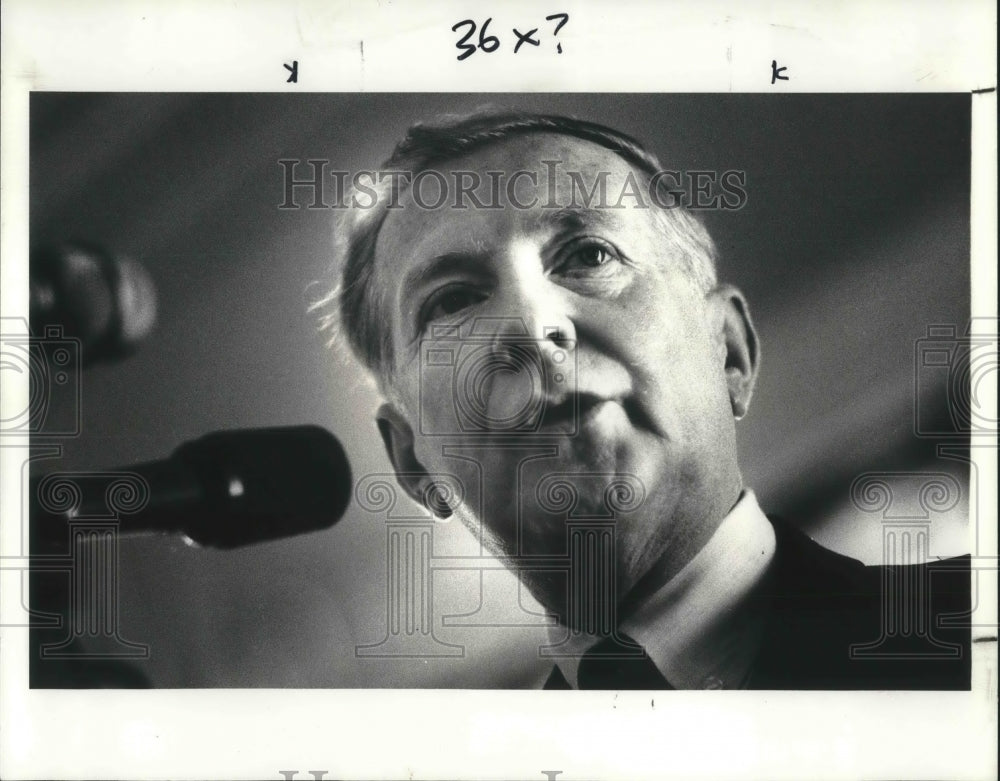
615,663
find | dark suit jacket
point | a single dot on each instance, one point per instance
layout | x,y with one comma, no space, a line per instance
834,623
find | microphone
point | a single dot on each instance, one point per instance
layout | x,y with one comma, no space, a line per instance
223,490
107,302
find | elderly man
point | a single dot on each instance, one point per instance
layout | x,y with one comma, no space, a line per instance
563,372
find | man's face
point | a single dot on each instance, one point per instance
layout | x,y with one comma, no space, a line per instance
626,357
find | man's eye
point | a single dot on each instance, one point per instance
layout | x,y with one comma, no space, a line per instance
448,301
589,253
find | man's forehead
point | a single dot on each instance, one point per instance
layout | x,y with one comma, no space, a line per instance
517,179
529,150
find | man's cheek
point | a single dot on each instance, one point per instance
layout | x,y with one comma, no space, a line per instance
430,396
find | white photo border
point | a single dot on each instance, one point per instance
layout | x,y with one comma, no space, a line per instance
608,46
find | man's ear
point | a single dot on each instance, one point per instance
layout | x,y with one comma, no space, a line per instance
397,435
739,345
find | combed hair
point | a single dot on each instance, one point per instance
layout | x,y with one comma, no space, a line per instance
354,310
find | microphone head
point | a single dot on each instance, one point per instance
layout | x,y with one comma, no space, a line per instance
107,302
263,484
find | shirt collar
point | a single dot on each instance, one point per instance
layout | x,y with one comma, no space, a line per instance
701,628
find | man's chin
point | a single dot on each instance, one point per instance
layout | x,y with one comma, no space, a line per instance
580,606
575,566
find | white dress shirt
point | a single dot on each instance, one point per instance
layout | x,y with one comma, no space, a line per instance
701,628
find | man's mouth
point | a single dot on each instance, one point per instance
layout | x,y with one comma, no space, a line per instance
572,411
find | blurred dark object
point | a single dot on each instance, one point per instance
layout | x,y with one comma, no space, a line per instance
108,302
224,490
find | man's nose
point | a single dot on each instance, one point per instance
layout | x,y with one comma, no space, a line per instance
533,310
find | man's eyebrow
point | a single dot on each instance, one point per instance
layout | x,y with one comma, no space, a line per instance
567,219
563,220
441,265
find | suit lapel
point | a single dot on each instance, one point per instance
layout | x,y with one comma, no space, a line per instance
817,604
821,604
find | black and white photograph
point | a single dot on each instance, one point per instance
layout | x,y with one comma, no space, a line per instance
456,416
563,393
